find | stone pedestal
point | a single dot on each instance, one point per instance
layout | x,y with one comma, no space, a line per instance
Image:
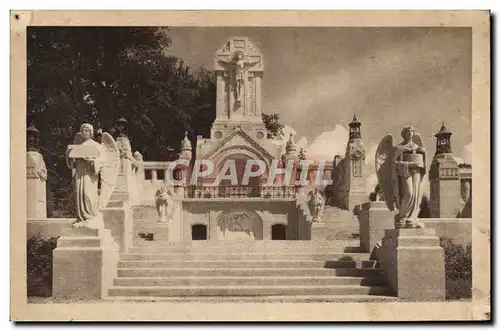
36,191
175,223
318,231
118,218
445,195
84,264
374,219
413,264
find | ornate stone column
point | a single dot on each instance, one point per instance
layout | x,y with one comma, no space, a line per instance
444,177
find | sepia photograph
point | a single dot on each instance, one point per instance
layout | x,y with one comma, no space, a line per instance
210,161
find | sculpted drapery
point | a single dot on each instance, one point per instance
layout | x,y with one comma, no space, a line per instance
400,171
94,161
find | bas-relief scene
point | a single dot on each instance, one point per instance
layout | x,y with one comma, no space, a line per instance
381,115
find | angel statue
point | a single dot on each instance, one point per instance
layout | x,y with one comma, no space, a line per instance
400,172
91,161
238,66
163,199
316,199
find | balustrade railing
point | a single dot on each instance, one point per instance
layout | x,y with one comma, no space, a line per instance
228,192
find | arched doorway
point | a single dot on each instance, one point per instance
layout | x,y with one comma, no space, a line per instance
278,232
199,232
240,225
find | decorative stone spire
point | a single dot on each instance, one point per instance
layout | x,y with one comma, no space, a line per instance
186,148
290,144
186,143
443,140
355,128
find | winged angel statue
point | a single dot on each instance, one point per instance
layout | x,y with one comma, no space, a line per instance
400,172
91,161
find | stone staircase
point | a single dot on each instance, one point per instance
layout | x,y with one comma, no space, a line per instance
248,271
340,224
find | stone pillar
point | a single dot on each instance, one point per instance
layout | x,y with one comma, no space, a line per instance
258,96
413,264
124,183
36,186
445,195
84,264
36,176
374,219
354,162
175,224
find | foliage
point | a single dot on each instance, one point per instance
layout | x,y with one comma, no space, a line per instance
458,268
273,126
39,266
98,74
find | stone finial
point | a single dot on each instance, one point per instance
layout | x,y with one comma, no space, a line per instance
33,139
290,145
302,154
186,143
355,128
121,129
443,140
186,148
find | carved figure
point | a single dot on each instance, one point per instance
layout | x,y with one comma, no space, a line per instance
90,160
317,204
238,66
400,171
163,198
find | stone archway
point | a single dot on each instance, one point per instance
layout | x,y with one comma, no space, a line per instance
239,225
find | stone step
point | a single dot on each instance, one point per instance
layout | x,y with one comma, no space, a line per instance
246,272
249,247
243,256
249,280
223,290
281,264
258,299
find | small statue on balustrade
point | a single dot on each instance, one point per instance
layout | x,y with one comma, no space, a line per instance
317,200
401,170
164,198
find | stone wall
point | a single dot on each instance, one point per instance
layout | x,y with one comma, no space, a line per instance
262,215
457,229
47,227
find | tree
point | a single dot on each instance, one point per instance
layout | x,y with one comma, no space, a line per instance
273,126
98,74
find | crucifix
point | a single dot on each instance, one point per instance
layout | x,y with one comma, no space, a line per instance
238,68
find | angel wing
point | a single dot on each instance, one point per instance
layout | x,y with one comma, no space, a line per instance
109,171
383,166
417,139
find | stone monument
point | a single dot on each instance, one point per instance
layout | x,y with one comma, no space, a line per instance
84,262
444,178
239,67
36,177
354,162
400,172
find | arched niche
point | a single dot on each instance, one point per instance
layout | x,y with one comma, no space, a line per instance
239,225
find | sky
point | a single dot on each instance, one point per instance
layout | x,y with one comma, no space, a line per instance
317,78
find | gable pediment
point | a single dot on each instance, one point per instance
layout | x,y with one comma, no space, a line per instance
238,139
